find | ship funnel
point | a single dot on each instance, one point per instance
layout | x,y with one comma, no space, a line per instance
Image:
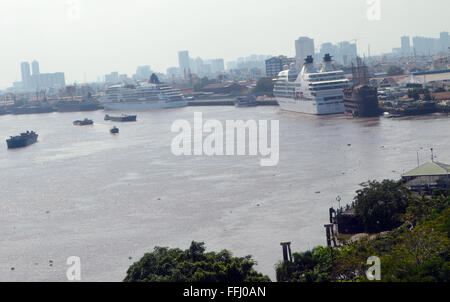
309,60
326,65
285,67
327,58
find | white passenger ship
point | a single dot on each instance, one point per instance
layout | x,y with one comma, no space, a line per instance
311,91
152,95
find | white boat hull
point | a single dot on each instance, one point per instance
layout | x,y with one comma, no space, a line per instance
136,106
311,106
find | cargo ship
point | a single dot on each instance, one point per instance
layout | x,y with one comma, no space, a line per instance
361,100
122,118
76,106
22,140
84,122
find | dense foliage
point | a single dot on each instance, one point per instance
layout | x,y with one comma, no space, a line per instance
415,93
395,70
417,251
379,205
264,85
193,265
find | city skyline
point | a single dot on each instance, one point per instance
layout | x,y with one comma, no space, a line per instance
84,48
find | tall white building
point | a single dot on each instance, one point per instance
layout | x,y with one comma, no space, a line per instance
184,61
26,74
217,66
35,67
38,80
445,41
406,45
304,47
143,73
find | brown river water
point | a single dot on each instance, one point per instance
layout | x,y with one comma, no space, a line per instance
81,191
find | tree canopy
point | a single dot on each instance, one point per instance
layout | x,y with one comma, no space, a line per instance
193,265
417,251
264,85
379,205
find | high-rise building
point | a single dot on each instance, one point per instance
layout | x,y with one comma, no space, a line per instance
276,64
426,46
35,67
347,52
304,47
113,77
184,61
143,73
37,80
444,41
217,66
406,45
26,74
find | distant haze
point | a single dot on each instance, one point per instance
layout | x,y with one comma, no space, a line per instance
119,35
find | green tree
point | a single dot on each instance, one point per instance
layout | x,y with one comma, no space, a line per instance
193,265
264,85
379,206
395,70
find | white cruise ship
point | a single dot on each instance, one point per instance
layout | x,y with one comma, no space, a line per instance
311,91
152,95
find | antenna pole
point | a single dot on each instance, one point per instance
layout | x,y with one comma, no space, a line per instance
418,162
432,155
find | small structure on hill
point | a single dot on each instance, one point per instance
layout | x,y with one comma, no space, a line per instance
428,177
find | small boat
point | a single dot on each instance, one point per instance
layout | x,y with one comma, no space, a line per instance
121,118
22,140
246,102
84,122
114,130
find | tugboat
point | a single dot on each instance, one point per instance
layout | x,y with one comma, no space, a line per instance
114,130
246,102
122,118
22,140
84,122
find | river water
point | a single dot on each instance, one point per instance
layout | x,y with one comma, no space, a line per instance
81,191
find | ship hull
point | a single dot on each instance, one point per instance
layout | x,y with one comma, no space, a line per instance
129,118
310,106
21,143
142,105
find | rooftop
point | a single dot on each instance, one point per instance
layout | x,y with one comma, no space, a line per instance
429,169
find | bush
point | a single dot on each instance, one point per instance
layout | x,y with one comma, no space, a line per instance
193,265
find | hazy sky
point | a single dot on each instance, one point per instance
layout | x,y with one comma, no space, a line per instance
119,35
